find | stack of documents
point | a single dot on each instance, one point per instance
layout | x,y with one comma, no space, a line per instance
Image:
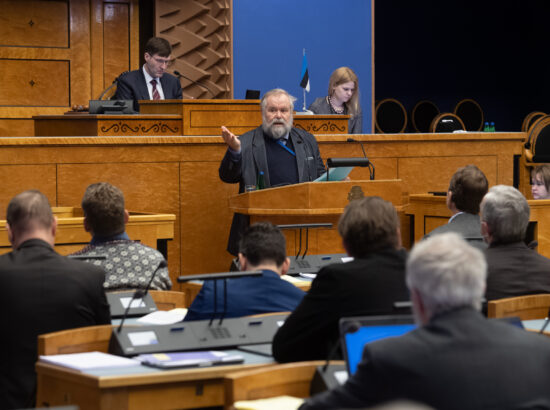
89,361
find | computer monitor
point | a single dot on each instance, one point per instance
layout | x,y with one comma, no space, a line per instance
356,332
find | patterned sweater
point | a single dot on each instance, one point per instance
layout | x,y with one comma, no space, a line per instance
128,265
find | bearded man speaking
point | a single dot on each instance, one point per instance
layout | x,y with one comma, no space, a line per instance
285,155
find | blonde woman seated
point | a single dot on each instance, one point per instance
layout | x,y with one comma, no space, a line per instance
540,182
342,98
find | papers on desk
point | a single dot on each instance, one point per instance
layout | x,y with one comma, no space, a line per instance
163,317
335,174
273,403
89,361
189,359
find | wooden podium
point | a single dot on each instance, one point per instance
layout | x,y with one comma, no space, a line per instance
312,202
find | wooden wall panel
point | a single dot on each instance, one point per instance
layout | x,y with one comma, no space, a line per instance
419,172
94,40
34,23
204,209
200,34
18,178
116,41
147,187
35,83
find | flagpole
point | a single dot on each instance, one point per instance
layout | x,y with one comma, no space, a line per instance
304,90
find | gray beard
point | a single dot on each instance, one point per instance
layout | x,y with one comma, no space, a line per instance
275,132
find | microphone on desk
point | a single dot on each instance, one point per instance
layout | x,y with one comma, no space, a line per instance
138,294
371,165
546,321
115,82
180,75
326,380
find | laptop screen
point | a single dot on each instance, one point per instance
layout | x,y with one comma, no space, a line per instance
355,332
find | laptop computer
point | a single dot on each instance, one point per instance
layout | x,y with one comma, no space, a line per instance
356,332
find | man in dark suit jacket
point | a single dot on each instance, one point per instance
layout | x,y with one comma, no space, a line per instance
151,82
514,269
40,292
369,285
456,359
263,247
284,154
466,190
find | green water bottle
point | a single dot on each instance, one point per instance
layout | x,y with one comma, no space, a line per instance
260,183
492,126
486,127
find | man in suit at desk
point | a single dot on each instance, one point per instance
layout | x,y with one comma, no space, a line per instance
40,292
466,190
263,247
456,359
283,154
151,82
514,269
368,285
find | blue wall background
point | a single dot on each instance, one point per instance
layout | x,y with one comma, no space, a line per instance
270,35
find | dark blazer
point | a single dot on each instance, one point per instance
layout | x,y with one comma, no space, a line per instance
132,86
368,286
253,159
246,296
41,292
460,360
515,270
321,106
467,225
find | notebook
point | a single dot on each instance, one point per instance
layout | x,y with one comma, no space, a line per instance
189,359
355,332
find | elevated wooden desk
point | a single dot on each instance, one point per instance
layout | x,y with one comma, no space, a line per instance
150,229
73,125
430,211
138,387
178,118
205,117
174,175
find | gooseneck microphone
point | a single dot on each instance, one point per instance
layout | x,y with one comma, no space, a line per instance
546,321
180,75
115,82
351,328
138,294
371,165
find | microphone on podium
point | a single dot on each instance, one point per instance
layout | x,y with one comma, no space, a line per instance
180,75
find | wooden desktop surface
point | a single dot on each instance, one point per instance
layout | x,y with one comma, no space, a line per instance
145,388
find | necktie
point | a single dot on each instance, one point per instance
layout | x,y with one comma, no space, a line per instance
156,95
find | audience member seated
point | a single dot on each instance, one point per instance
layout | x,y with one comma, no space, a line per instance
129,264
40,292
368,285
263,247
456,359
342,98
466,190
513,268
540,182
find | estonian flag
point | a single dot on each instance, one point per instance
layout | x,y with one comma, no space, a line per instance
304,83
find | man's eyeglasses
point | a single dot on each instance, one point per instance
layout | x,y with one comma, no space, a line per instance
162,61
